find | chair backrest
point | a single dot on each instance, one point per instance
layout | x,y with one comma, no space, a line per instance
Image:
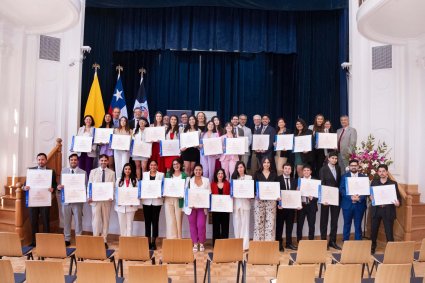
311,251
347,273
422,251
399,252
96,272
228,250
44,271
147,273
264,252
50,245
393,273
6,271
134,248
296,273
356,252
177,251
10,244
90,247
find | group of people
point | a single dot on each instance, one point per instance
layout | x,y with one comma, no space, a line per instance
214,173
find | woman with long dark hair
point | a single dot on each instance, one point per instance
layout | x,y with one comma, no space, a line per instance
121,157
281,156
172,133
302,158
190,156
220,186
208,161
86,158
104,148
139,134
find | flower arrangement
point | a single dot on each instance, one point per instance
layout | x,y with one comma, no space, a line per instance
370,156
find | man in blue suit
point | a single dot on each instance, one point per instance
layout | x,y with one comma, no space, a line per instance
353,207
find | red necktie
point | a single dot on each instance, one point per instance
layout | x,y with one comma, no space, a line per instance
339,140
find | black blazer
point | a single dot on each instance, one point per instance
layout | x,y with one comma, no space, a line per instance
132,124
271,132
286,152
389,209
54,183
327,177
307,158
293,183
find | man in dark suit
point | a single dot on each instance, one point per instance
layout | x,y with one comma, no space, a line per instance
44,211
330,175
137,114
386,213
353,207
284,215
238,132
266,129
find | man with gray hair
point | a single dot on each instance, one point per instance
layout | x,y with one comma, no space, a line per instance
347,140
247,133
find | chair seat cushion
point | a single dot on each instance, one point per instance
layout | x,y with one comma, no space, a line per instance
70,251
336,257
70,278
120,279
293,257
109,253
416,256
19,277
27,249
211,256
379,258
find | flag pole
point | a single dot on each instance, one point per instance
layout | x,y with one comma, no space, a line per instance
120,69
142,71
95,66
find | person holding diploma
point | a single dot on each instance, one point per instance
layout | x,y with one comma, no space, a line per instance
228,161
265,210
208,162
198,216
353,207
256,130
266,129
101,210
330,175
44,211
126,212
217,123
172,133
281,156
328,129
173,206
139,134
69,209
220,186
318,153
158,122
308,210
104,148
302,158
87,158
190,155
246,133
386,213
285,215
152,207
121,157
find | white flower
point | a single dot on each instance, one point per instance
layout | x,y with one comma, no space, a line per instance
373,172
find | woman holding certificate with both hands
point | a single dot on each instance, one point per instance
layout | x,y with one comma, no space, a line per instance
302,158
220,186
281,156
104,148
139,134
87,158
190,155
158,122
228,161
208,161
172,133
121,157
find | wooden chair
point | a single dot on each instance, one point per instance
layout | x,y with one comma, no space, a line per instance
225,251
53,246
263,253
97,272
392,273
46,272
396,253
354,252
178,251
135,249
93,248
310,252
419,256
11,246
296,273
7,275
349,273
146,273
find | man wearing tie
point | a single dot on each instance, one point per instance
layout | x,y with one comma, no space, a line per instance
44,211
257,131
246,133
69,209
101,210
353,207
116,112
266,129
330,175
137,113
285,215
237,132
347,139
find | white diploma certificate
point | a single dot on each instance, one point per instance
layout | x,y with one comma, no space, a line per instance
235,146
268,190
141,148
198,198
39,182
309,187
302,143
329,195
150,189
81,144
189,139
154,134
260,142
120,142
221,203
290,199
383,195
102,135
357,186
242,188
74,188
174,187
326,140
212,146
128,196
246,144
169,147
284,142
38,197
99,191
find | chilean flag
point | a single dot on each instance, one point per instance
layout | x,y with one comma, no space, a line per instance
118,99
141,101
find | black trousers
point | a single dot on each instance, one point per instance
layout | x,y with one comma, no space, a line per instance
308,211
381,214
285,216
325,210
35,213
220,225
151,213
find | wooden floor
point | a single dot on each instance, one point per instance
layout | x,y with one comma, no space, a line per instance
222,273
